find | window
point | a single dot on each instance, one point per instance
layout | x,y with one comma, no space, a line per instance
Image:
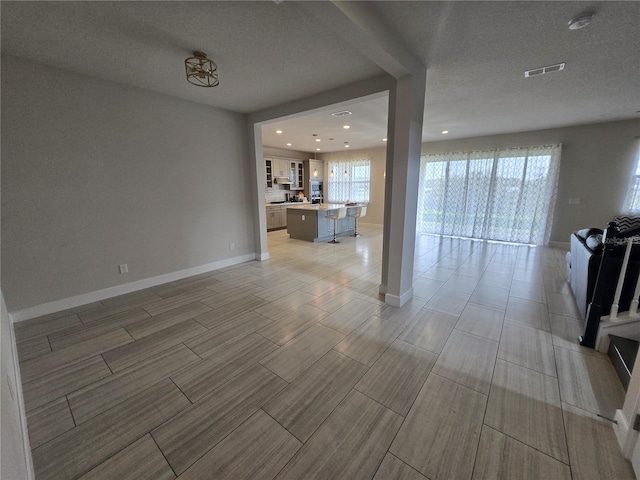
349,180
498,195
633,197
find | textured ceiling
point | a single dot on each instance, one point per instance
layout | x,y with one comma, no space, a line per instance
269,54
477,52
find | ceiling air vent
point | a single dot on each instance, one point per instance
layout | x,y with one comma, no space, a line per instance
542,70
343,113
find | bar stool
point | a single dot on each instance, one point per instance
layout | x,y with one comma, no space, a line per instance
337,215
359,213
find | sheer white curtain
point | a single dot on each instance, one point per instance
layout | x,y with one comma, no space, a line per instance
504,194
349,180
632,203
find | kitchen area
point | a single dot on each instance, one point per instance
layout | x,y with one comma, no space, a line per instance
288,183
294,199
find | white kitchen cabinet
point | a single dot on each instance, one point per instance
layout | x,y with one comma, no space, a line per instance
296,175
280,167
268,169
274,217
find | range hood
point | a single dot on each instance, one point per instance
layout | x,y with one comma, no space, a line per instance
282,180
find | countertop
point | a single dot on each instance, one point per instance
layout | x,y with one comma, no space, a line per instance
286,204
325,206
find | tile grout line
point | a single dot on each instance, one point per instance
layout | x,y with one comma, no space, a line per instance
486,407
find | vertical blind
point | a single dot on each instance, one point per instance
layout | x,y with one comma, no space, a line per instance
349,180
506,194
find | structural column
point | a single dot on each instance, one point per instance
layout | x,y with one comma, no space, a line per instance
406,110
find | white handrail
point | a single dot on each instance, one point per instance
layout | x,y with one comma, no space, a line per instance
623,273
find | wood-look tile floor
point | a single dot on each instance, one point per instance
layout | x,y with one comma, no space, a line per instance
295,368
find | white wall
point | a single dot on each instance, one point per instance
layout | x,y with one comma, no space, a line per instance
14,460
96,174
596,163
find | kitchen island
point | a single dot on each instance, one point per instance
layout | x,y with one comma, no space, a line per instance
310,222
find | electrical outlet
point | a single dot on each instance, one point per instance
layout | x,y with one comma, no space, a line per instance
303,218
232,246
123,268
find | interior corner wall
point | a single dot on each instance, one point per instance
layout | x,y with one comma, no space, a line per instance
97,174
595,166
378,156
15,461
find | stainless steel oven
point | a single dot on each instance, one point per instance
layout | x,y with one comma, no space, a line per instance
316,191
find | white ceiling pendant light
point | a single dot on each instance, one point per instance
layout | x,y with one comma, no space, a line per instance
201,71
581,21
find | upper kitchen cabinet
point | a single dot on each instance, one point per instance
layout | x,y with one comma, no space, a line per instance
280,167
296,175
268,168
277,169
286,171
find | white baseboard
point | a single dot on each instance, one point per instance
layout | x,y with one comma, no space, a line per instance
626,436
23,416
398,301
262,256
90,297
562,245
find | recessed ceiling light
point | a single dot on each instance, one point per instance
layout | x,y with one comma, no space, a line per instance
341,113
346,127
384,139
346,146
318,140
278,131
444,132
317,149
288,144
581,20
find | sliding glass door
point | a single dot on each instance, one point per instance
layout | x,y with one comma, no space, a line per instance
504,195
